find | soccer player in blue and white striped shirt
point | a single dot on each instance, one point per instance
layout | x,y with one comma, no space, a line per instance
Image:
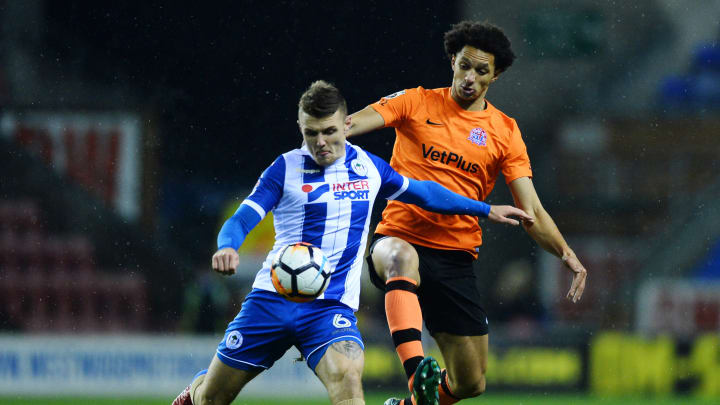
323,194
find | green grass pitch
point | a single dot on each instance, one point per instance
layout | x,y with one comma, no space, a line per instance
378,399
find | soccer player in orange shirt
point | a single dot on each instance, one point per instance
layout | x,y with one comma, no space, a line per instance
423,260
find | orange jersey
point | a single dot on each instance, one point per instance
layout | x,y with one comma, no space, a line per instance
465,151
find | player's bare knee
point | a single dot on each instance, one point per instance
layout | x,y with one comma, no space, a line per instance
396,258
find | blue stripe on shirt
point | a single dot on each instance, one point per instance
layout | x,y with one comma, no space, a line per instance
314,223
358,218
312,172
315,214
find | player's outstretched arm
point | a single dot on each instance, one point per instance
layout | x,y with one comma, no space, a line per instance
432,196
503,214
263,198
231,236
365,120
547,235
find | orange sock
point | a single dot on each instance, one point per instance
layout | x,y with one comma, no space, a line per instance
405,321
446,397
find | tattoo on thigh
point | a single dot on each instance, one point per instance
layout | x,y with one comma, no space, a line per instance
350,349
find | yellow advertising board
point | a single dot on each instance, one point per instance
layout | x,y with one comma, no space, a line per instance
622,364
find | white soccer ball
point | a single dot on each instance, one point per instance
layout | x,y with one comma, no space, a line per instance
300,272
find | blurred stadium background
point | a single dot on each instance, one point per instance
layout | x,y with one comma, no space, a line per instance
129,131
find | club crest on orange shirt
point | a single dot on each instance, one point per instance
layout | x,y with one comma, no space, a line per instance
478,136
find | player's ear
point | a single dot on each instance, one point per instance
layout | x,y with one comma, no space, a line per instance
496,73
348,123
452,63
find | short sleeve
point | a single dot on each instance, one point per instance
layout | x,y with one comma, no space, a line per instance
393,183
269,188
398,106
516,162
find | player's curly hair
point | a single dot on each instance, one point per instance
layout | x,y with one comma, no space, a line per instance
322,99
483,36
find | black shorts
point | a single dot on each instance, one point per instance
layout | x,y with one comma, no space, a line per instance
448,293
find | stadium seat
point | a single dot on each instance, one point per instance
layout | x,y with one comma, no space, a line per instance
61,290
27,215
49,282
9,245
29,250
83,304
6,214
79,252
11,295
121,302
707,57
35,308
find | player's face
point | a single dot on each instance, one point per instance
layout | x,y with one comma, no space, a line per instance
473,71
324,137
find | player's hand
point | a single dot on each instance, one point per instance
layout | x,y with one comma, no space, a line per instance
502,214
579,276
225,261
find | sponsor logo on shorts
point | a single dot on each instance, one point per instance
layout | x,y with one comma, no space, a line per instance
233,340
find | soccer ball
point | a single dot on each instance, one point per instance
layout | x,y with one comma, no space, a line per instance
300,272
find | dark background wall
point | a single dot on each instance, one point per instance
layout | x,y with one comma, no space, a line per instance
225,80
222,82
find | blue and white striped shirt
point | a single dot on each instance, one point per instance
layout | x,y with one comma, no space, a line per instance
329,207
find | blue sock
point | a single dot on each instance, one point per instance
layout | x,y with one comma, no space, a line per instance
201,372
